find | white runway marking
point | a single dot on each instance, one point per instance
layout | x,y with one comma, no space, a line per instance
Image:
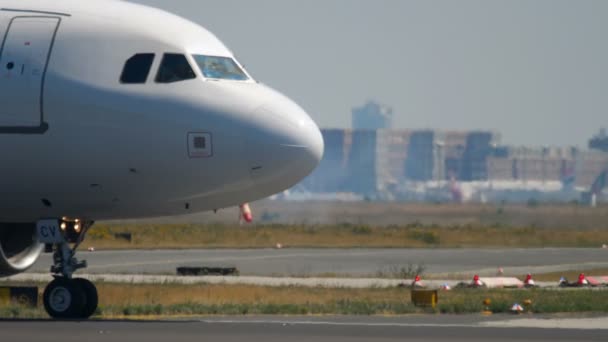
346,324
573,323
600,323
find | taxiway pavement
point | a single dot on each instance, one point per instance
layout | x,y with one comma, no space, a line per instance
353,262
300,329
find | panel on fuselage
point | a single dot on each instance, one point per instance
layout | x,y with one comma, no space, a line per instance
23,61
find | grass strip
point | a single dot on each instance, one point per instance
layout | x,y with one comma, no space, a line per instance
119,300
415,235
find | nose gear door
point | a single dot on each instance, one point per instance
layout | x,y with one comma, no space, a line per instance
24,57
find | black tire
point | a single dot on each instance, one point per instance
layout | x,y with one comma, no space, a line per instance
92,299
64,299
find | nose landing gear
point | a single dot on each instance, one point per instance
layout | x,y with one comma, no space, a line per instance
66,297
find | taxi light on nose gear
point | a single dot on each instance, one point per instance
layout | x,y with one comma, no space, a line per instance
71,228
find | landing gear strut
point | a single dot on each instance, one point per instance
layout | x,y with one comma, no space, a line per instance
67,297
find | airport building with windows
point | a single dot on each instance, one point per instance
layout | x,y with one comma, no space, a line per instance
394,164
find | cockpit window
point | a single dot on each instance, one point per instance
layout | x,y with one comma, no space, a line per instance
220,68
137,68
174,68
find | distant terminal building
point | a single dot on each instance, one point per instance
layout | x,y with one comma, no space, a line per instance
443,155
525,164
333,172
373,161
372,116
367,161
600,141
589,165
421,150
356,161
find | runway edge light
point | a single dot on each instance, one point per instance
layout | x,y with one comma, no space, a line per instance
486,307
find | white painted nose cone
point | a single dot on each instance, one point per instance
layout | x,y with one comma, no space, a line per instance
289,151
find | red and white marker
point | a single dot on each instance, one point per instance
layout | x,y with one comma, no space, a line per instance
529,282
516,308
246,215
582,280
477,281
417,282
446,287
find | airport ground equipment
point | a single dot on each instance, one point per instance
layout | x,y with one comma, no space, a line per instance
425,298
205,271
20,295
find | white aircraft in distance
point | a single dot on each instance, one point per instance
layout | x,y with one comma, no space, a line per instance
112,110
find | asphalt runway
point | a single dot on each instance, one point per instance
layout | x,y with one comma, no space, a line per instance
355,262
269,329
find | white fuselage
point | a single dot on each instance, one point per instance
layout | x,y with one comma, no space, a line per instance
76,142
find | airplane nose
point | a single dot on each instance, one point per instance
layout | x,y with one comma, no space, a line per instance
316,146
313,147
288,150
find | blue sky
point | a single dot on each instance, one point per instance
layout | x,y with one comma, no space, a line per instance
534,70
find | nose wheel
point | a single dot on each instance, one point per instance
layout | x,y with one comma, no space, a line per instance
66,297
70,298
